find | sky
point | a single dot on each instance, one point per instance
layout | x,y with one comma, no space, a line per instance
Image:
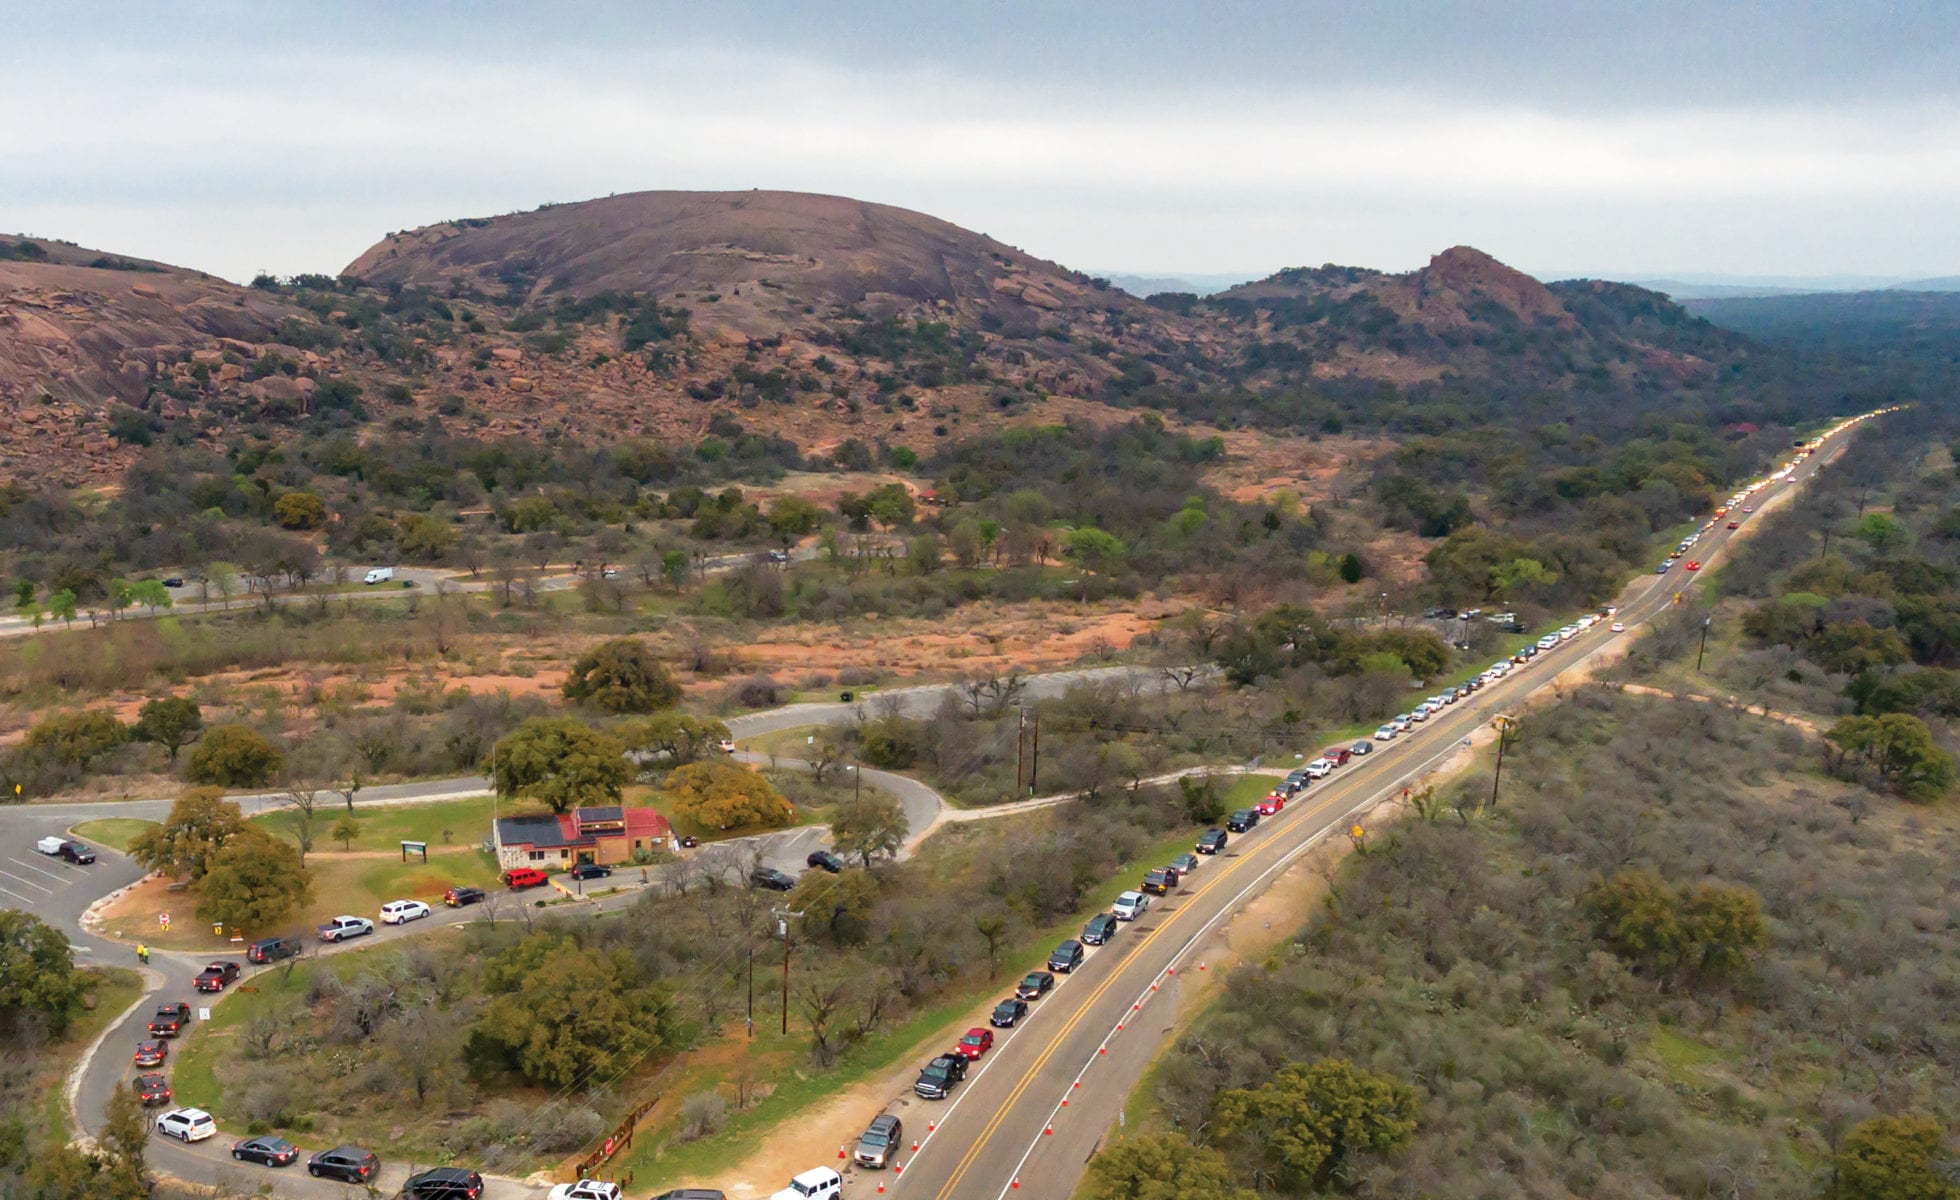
1661,139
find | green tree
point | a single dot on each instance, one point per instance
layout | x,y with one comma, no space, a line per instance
150,593
1313,1117
565,1015
37,973
1095,550
836,908
75,739
622,676
234,756
1724,926
1884,533
172,722
1638,914
793,516
345,831
1893,1158
61,606
425,538
723,795
869,825
673,568
1900,748
253,883
1517,576
1708,930
563,762
678,737
1161,1167
200,824
299,510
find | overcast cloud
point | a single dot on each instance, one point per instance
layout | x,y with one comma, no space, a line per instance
1631,140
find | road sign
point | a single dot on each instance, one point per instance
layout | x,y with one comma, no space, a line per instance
163,921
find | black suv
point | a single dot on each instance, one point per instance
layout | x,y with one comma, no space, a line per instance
1066,957
349,1164
444,1183
587,870
1099,929
771,878
1243,820
458,897
267,950
1035,986
76,853
937,1080
825,859
1211,841
1159,882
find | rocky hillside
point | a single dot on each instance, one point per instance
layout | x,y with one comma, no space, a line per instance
85,336
1467,315
815,320
756,262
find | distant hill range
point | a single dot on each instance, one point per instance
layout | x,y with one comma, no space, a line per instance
1713,287
1197,285
819,319
1926,319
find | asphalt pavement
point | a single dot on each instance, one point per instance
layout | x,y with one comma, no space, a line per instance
1040,1102
1029,1118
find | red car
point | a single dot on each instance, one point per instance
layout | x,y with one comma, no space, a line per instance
153,1088
1693,565
976,1042
1338,755
519,878
152,1053
1735,524
1271,804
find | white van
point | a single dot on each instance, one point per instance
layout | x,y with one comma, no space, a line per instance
380,575
1130,905
817,1183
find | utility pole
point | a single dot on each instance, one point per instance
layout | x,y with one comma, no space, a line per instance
1034,755
1505,724
751,988
1021,753
782,929
1704,642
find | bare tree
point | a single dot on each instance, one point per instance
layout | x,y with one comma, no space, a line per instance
1182,677
992,695
302,801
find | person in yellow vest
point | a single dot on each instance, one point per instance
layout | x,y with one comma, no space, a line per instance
143,953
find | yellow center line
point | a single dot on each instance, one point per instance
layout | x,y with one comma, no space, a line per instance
1028,1076
1055,1043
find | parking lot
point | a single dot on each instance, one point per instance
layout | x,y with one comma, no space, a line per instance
30,880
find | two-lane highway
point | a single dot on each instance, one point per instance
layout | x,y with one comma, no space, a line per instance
1049,1091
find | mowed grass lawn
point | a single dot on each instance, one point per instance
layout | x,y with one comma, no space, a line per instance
113,832
360,875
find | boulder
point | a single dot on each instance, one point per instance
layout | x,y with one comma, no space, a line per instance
507,354
522,385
